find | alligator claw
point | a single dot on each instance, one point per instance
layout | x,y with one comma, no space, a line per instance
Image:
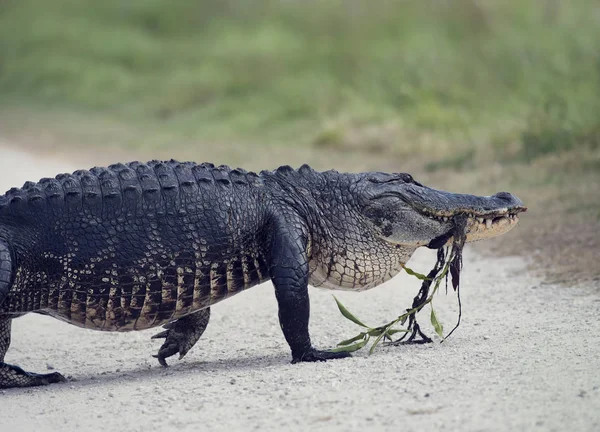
181,335
169,349
51,378
315,355
14,376
161,335
161,359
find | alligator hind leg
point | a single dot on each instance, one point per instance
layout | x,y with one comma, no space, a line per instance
181,335
14,376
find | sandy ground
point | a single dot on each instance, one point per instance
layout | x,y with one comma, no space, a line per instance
526,357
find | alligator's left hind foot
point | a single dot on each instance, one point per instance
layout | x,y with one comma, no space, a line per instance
14,376
181,335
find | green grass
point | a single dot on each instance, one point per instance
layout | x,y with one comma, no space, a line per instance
517,78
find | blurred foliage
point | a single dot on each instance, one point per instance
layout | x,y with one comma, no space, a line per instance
284,69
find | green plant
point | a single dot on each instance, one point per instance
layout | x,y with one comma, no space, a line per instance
449,261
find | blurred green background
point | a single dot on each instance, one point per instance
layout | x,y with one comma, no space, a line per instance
520,79
470,95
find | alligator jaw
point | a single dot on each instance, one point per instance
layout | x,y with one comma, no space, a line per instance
487,226
480,225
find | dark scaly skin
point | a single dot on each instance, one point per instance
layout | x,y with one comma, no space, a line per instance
181,335
136,246
133,247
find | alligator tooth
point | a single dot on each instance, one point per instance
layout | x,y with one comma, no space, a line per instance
445,219
488,223
480,219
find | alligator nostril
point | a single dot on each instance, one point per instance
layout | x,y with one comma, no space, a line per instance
510,199
505,196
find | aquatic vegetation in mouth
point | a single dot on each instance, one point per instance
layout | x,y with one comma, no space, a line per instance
448,265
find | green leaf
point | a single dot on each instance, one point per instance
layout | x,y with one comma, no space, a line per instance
439,329
414,273
354,339
376,331
350,348
403,318
347,313
375,343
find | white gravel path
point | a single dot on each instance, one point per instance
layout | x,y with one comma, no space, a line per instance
526,357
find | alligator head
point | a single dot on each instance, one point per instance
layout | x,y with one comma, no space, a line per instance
408,214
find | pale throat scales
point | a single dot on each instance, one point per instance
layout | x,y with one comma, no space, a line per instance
356,269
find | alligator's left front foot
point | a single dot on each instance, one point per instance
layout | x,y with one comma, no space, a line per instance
181,335
314,355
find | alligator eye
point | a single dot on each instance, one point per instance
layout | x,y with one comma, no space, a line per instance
407,178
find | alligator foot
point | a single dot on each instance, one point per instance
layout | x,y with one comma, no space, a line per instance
14,376
314,355
181,335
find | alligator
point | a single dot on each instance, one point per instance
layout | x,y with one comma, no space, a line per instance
139,245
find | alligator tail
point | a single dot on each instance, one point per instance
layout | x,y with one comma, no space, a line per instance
6,270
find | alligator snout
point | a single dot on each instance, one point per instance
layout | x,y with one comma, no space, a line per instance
441,203
509,199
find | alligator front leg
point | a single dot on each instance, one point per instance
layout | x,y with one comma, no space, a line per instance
14,376
181,335
289,273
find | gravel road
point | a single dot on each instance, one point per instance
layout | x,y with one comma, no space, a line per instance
526,357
